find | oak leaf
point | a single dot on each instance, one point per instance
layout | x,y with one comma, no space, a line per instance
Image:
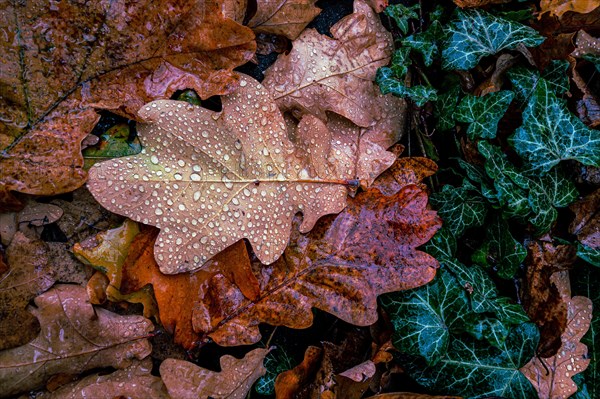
289,383
283,17
552,377
186,380
62,62
209,179
336,74
340,267
74,337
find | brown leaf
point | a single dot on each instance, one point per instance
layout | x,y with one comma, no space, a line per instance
334,74
234,177
133,382
586,45
410,395
33,215
406,171
588,108
552,377
559,7
354,382
586,224
341,268
74,337
289,383
477,3
378,5
541,296
177,295
283,17
62,62
186,380
30,274
495,81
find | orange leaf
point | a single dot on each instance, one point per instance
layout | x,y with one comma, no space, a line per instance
559,7
289,383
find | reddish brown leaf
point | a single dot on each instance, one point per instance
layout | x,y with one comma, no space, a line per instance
289,383
552,377
586,224
186,380
29,275
61,62
74,337
283,17
477,3
340,267
559,7
541,295
406,171
378,5
354,382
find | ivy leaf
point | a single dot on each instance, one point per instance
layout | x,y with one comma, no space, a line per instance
476,370
589,254
500,250
475,34
400,62
276,362
444,108
459,208
401,14
424,317
524,80
388,83
550,133
426,42
483,113
442,246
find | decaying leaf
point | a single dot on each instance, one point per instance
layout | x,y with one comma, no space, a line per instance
405,171
74,337
341,268
289,383
559,7
186,380
410,395
62,62
586,224
477,3
209,179
552,377
353,383
34,214
283,17
29,275
334,74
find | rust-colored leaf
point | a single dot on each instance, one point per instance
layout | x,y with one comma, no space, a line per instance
406,171
336,74
586,224
552,377
477,3
29,275
289,383
74,337
61,62
209,179
559,7
341,268
283,17
186,380
354,382
541,292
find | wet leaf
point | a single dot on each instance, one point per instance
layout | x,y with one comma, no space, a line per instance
230,179
405,171
30,273
586,224
354,382
112,56
283,17
401,14
115,142
550,133
483,113
553,378
335,74
186,380
588,47
459,208
475,34
559,7
290,382
74,337
340,268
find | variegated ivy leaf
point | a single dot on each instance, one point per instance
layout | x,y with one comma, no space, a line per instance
388,83
400,62
483,113
401,14
426,42
459,208
589,254
475,34
444,108
524,80
442,245
476,370
550,133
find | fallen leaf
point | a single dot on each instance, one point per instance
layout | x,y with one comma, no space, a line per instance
552,377
541,297
74,337
289,383
29,275
335,74
559,7
586,224
405,171
354,382
283,17
133,382
587,46
63,62
340,268
477,3
186,380
33,215
114,142
234,178
409,395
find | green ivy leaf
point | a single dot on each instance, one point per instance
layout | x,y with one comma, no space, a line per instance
459,208
483,113
276,362
550,133
442,246
400,62
444,108
589,254
500,250
524,80
476,370
389,84
426,42
476,33
401,14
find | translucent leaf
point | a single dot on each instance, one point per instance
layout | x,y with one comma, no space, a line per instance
550,133
476,33
483,113
459,208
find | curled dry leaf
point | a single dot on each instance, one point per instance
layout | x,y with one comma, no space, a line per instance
341,268
552,377
283,17
586,224
74,337
30,274
186,380
209,179
334,74
62,62
289,383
